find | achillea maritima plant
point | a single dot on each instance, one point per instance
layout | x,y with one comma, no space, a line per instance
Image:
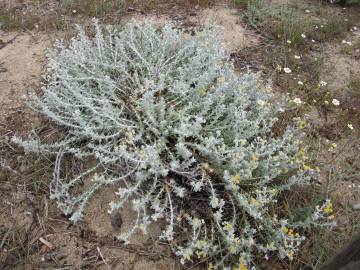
189,141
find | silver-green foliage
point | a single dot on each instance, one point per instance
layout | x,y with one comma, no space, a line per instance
186,140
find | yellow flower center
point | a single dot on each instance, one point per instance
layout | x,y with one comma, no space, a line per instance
236,179
328,208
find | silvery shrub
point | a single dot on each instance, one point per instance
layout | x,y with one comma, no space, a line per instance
163,117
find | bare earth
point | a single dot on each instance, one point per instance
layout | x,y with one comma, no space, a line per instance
91,244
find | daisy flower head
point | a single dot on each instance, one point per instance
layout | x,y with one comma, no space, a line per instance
322,83
335,102
346,42
332,147
261,102
297,101
287,70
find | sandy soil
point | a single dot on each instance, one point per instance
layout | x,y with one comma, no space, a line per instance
21,64
342,67
236,36
27,215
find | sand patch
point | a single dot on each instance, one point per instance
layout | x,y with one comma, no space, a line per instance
236,36
343,66
99,220
22,60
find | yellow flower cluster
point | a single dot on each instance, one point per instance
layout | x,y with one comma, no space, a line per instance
290,232
329,210
290,254
292,235
242,265
301,157
236,179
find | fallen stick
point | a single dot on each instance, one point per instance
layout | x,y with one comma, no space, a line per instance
46,243
103,259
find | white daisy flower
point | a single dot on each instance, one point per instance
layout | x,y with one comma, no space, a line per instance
322,83
261,102
335,102
297,101
287,70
